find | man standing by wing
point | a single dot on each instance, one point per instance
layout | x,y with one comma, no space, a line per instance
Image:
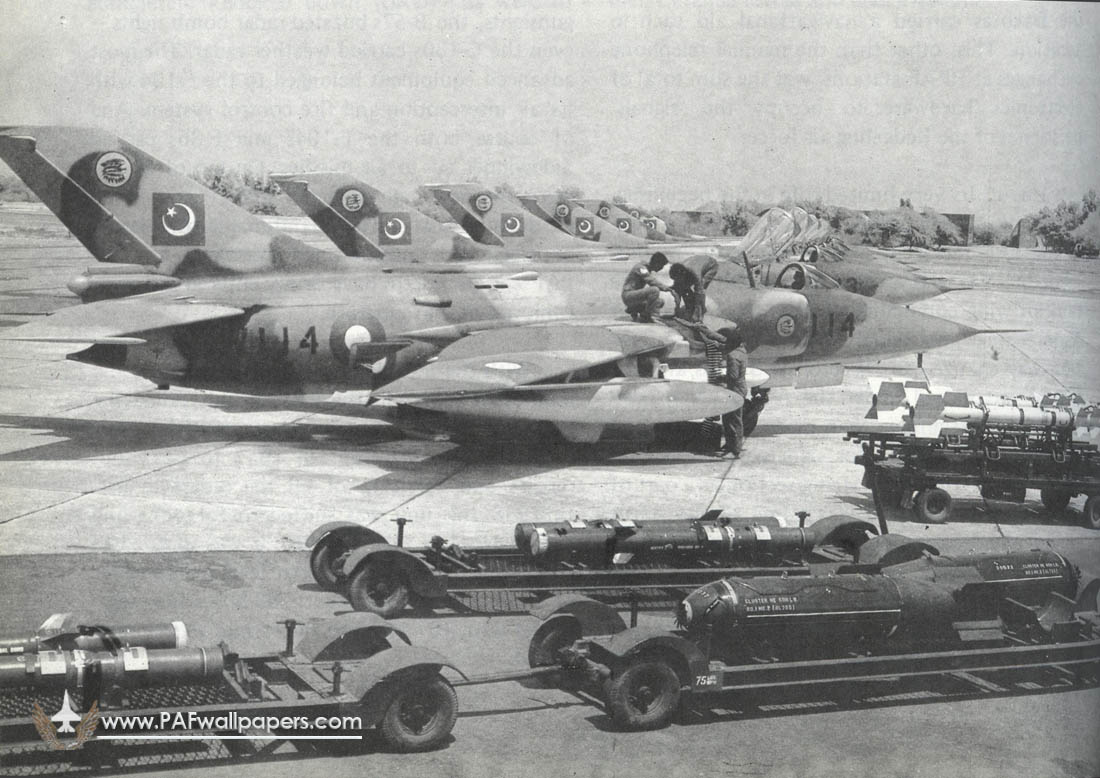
737,364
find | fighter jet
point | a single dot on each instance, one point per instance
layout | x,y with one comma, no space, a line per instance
251,310
766,247
364,222
653,222
623,220
498,219
570,217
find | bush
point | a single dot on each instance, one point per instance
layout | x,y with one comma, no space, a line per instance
906,227
232,184
944,231
738,216
1058,225
13,190
1087,236
989,234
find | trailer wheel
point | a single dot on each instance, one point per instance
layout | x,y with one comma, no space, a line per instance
1054,500
551,637
645,695
323,559
421,715
933,505
1090,516
378,588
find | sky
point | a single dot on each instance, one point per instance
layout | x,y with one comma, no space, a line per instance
990,108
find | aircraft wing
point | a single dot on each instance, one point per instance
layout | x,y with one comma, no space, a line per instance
563,373
501,359
118,322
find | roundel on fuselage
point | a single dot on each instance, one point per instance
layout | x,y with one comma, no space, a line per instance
604,212
623,224
350,342
562,210
780,324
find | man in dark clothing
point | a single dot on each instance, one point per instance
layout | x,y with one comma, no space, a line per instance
642,288
737,363
689,284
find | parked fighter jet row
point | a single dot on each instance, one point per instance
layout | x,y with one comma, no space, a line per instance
197,292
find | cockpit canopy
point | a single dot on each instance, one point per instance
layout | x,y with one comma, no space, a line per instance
797,276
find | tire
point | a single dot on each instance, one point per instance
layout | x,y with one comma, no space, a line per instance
645,695
323,560
421,715
933,505
379,588
751,410
1054,500
1090,516
749,419
549,638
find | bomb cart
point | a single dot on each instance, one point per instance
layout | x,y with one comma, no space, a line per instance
93,677
651,563
904,622
1004,450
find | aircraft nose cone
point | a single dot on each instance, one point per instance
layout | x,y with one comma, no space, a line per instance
890,330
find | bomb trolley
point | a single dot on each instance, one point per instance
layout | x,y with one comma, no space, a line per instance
914,625
651,564
344,668
904,470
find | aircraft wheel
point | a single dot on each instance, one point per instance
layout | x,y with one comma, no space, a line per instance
933,505
1091,514
751,410
378,588
645,695
750,415
421,715
325,562
1054,500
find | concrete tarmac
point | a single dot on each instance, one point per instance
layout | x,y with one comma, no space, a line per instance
124,503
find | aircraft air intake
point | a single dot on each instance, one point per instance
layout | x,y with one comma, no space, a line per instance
780,325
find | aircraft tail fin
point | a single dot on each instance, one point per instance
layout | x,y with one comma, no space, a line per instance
365,222
623,221
571,217
126,206
499,219
338,205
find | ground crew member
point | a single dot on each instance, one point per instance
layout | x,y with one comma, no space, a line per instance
642,288
690,288
737,363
